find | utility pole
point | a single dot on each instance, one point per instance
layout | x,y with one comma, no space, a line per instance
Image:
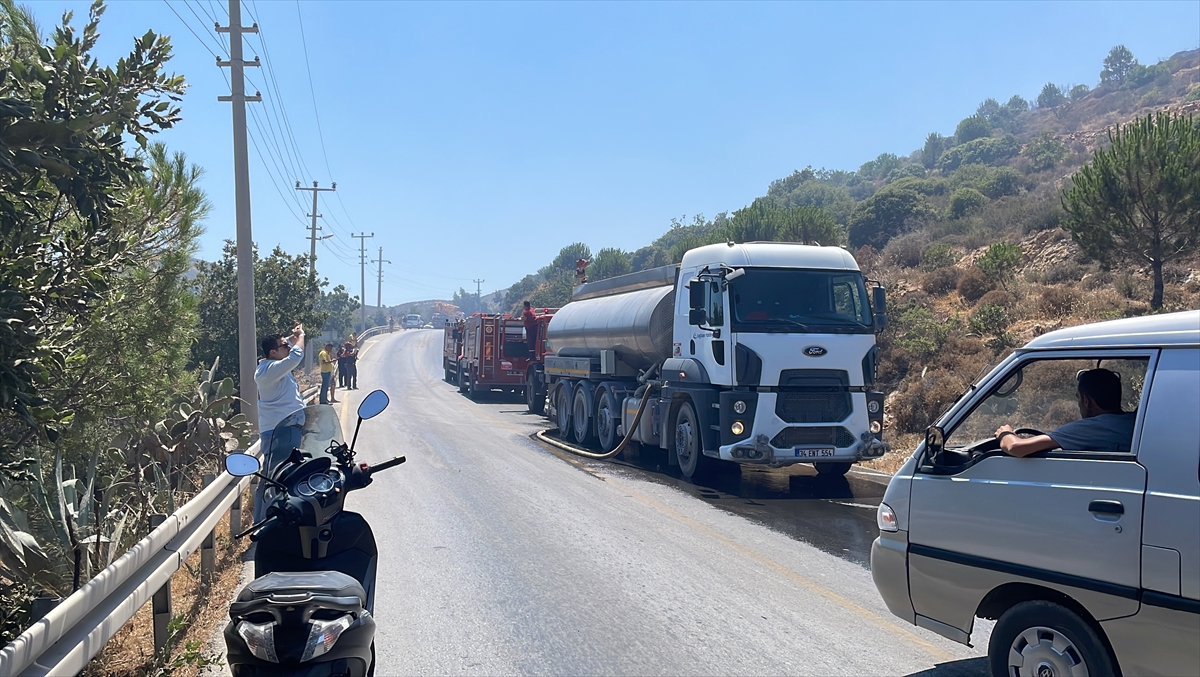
247,348
362,262
312,260
379,291
478,298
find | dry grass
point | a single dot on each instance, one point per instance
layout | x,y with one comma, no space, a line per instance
130,653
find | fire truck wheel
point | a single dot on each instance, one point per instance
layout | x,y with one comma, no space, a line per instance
472,387
462,377
535,394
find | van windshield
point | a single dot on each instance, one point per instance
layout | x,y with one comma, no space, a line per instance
800,301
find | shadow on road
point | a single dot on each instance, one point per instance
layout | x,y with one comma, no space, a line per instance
968,667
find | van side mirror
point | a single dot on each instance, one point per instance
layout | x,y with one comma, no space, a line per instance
697,316
879,305
935,442
696,294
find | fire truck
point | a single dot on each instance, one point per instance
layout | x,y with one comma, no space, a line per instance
535,373
494,355
452,346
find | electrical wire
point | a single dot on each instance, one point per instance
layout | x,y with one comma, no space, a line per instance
312,90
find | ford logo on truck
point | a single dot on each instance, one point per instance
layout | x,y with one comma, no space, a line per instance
815,351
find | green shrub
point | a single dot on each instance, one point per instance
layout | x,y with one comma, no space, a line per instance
1193,94
980,151
989,319
938,256
964,201
1079,91
998,297
920,401
919,332
1044,151
972,128
972,285
887,213
1000,261
1052,96
940,281
906,250
1000,182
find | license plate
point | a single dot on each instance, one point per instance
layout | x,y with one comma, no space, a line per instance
825,452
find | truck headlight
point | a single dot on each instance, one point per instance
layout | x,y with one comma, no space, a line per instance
739,407
323,635
737,428
260,639
876,426
886,518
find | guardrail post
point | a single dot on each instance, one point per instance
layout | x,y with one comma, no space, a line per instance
208,560
235,514
161,603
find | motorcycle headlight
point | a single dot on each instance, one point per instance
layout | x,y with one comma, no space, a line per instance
260,639
323,635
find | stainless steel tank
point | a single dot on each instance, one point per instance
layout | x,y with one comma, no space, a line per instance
638,325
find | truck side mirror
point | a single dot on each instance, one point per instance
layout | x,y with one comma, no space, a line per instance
697,316
879,303
696,300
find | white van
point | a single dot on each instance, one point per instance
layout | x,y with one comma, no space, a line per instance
1089,560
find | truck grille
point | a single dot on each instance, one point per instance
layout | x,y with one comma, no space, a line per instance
835,436
813,396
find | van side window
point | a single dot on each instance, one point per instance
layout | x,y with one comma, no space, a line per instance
1043,394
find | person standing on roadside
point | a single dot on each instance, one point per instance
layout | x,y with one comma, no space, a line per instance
351,353
328,387
278,396
343,366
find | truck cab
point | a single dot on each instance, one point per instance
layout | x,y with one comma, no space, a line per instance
784,335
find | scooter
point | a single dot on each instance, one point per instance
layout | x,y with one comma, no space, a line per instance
308,611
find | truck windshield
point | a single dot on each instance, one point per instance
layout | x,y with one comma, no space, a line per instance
803,301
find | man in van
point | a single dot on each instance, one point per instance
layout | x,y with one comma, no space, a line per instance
1102,425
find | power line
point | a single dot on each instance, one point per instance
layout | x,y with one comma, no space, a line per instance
312,90
192,31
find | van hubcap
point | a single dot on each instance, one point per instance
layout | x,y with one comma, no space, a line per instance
1043,652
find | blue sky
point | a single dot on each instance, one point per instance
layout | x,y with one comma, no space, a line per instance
476,139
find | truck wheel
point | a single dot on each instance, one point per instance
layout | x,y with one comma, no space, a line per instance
832,468
581,415
607,418
462,378
562,408
535,395
687,440
472,391
1040,637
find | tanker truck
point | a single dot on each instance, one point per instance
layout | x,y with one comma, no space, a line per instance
756,353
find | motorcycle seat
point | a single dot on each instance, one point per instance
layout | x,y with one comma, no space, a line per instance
317,583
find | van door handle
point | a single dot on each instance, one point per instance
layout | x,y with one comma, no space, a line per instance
1106,507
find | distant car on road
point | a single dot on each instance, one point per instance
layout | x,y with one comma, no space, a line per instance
412,321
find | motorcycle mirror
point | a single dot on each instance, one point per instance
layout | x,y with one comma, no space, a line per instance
241,464
373,404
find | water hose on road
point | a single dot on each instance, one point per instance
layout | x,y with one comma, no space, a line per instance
617,449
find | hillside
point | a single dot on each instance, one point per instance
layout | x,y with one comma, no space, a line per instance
920,223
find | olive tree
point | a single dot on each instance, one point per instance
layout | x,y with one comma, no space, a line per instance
1138,200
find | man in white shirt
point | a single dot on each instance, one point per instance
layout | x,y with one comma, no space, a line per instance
278,396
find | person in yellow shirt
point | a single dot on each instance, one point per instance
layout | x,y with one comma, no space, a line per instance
328,389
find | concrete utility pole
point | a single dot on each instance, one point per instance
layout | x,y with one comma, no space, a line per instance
247,338
312,261
478,298
379,291
362,262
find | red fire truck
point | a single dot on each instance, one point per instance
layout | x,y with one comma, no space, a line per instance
490,352
452,349
535,378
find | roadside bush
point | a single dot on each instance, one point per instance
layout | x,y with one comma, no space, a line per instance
940,281
985,151
972,285
1057,301
938,256
988,319
919,332
965,201
1000,182
1045,152
920,401
906,250
998,297
999,261
972,128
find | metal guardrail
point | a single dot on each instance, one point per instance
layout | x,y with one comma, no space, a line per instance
64,640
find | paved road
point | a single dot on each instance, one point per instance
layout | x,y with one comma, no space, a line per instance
501,557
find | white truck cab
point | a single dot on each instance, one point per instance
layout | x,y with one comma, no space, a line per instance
1088,558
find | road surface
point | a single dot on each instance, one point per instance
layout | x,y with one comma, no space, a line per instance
499,556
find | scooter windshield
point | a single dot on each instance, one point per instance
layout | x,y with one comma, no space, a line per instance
310,429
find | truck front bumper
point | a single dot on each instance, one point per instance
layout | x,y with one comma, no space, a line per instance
773,441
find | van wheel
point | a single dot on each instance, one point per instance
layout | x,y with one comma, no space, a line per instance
562,408
1043,638
832,469
687,440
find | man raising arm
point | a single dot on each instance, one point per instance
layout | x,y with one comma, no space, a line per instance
278,396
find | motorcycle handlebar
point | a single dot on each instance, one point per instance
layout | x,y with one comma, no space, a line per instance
257,529
387,464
